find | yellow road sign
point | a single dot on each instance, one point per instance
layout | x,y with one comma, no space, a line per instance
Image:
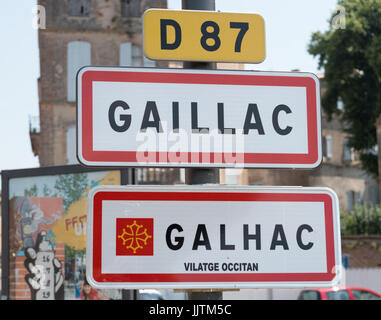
203,36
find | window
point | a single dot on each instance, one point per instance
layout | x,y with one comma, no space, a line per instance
182,175
71,147
78,55
353,198
328,147
364,295
348,151
79,8
309,295
130,55
125,57
130,8
231,176
338,295
350,200
136,56
158,176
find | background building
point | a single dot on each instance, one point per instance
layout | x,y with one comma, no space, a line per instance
80,33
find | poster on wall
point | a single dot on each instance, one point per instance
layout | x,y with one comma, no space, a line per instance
31,240
47,236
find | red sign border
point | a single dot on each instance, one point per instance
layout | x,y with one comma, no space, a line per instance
249,159
100,277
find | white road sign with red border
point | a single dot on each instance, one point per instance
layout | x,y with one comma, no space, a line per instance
213,237
197,118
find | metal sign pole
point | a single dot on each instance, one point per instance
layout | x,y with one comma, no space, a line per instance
201,175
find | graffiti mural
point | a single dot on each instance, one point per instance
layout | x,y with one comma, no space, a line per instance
30,216
45,277
47,235
33,241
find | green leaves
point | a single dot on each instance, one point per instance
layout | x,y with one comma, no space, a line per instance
71,188
363,220
351,59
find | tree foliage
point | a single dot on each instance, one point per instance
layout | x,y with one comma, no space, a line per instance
351,59
71,188
364,219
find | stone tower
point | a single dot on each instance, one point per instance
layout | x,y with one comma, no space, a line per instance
79,33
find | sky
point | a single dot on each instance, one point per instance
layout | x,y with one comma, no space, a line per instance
288,28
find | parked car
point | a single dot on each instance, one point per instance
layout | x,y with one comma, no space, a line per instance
339,293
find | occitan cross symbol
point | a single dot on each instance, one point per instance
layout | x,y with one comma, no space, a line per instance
134,236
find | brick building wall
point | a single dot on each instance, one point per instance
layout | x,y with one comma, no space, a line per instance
104,26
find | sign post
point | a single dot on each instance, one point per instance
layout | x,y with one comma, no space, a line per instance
201,175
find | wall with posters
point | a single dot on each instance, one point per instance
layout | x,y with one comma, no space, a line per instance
46,233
